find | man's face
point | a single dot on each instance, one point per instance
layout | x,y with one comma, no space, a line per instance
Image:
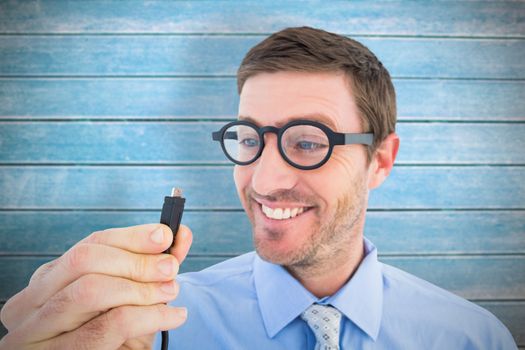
331,200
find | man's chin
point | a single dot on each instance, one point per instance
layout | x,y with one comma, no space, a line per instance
273,257
275,252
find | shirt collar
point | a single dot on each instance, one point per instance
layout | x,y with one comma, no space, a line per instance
282,298
361,298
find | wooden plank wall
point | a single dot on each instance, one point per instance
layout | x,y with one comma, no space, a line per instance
104,106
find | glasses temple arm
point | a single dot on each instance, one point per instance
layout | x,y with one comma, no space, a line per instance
365,139
229,135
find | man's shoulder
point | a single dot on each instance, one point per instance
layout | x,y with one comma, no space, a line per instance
216,286
237,269
421,304
406,287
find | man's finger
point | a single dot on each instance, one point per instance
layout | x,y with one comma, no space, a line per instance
87,258
90,296
94,256
112,329
107,259
20,305
183,240
149,238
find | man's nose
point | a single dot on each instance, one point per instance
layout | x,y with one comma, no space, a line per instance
272,172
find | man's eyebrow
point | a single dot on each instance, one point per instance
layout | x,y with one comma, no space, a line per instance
318,117
247,118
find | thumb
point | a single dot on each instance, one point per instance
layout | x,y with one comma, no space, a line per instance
183,240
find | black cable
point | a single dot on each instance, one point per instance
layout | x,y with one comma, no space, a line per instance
171,216
165,340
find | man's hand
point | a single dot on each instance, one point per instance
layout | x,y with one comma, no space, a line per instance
107,291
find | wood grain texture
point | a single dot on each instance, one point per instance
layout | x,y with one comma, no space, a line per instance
117,187
466,18
214,98
190,143
512,314
229,233
221,55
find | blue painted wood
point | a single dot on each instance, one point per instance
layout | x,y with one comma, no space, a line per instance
465,143
512,314
121,98
229,233
447,232
452,187
221,55
117,187
190,142
473,277
472,18
217,98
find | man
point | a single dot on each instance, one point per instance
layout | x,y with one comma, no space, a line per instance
316,132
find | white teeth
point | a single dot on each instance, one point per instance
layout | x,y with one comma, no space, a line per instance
268,211
280,213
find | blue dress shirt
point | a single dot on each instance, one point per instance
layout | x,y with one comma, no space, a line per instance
247,303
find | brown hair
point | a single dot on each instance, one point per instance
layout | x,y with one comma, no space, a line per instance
306,49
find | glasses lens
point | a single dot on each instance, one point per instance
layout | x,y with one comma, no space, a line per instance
241,142
305,145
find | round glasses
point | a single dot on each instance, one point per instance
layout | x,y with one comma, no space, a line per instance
304,144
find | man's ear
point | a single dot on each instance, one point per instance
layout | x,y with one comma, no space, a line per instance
383,161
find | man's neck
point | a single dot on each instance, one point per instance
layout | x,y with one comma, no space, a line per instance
331,276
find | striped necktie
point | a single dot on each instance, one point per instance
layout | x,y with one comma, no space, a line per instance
324,321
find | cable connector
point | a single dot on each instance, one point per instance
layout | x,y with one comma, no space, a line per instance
172,211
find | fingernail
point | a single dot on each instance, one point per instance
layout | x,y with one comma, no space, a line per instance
183,312
168,287
157,236
166,266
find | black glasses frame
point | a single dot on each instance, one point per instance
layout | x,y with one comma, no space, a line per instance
334,139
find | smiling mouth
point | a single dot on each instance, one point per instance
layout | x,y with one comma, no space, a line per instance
283,213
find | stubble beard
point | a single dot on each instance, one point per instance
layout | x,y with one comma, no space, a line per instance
328,245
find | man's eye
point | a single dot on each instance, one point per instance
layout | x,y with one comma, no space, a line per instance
249,142
309,146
